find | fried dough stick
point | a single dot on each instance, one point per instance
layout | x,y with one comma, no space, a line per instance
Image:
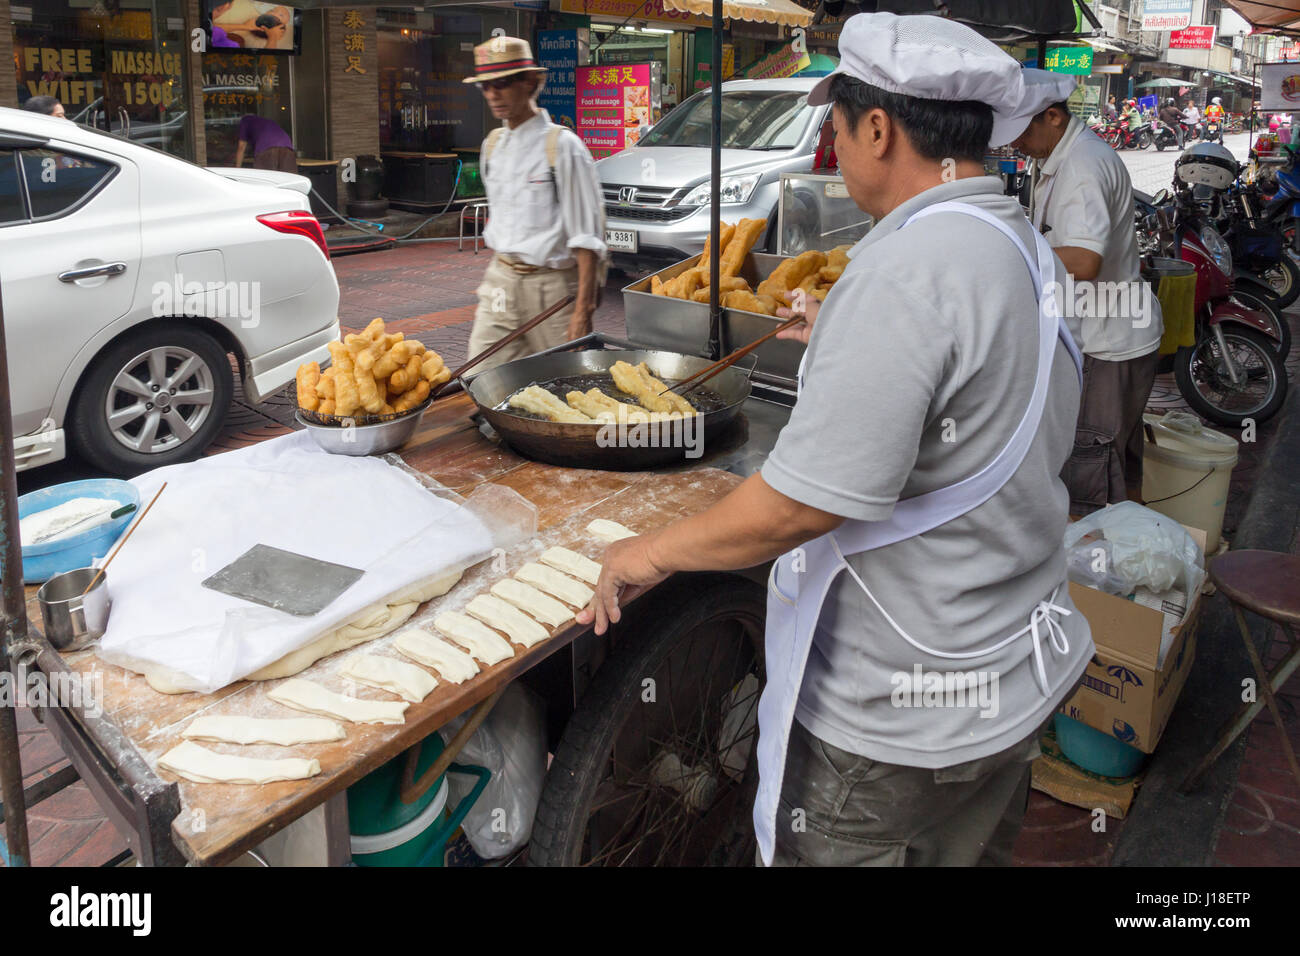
539,401
598,405
637,381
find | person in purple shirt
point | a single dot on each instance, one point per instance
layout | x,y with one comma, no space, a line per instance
270,145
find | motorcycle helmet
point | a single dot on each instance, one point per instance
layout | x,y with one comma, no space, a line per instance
1217,101
1132,103
1206,164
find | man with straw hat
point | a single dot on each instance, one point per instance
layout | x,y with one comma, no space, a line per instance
919,630
546,224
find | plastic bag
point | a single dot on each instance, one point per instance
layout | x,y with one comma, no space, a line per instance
511,743
1142,548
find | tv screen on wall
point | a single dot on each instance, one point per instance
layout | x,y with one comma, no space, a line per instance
254,26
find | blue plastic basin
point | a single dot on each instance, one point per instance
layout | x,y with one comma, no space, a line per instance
42,561
1093,750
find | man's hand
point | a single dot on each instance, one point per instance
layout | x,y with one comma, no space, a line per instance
580,320
625,563
809,310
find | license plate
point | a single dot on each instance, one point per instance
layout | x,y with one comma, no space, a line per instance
621,240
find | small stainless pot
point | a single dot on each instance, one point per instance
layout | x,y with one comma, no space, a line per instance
74,621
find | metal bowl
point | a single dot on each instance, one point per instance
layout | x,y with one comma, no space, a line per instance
360,440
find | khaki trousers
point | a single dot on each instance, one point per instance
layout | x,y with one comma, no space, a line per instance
508,299
861,812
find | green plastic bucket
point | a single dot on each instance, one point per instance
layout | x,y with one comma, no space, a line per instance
387,832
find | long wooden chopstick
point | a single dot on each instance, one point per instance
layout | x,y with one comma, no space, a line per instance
129,531
702,376
506,340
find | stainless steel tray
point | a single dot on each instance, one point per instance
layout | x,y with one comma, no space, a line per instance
657,321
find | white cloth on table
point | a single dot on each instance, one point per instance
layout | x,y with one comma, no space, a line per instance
288,494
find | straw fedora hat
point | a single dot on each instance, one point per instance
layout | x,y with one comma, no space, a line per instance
502,56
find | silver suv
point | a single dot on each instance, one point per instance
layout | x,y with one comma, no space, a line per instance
657,192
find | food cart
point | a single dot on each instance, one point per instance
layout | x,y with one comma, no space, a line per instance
700,643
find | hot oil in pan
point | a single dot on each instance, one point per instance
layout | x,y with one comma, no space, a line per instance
703,398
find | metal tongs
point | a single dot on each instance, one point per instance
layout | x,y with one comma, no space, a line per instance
504,341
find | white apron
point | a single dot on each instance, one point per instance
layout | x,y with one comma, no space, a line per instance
800,579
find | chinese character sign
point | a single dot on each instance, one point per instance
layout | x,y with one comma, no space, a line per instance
613,103
1076,60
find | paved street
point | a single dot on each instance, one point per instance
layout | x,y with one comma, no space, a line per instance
427,291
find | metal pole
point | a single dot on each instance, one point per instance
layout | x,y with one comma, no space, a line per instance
14,631
715,211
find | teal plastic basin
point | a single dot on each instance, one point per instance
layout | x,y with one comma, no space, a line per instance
1095,751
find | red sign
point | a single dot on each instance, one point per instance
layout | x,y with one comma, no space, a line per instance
1192,38
1290,52
613,103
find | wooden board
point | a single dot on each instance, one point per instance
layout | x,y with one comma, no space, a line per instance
221,821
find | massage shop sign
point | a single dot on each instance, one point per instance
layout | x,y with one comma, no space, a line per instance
78,75
613,103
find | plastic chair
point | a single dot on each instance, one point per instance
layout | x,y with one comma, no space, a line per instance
1267,583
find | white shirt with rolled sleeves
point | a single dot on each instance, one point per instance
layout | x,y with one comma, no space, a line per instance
1085,199
535,216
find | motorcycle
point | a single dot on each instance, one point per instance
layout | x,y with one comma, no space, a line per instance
1258,248
1166,135
1279,193
1214,131
1232,372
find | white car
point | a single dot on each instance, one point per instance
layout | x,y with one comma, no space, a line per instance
127,279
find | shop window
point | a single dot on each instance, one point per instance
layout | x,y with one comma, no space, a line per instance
236,85
121,71
424,105
59,182
11,199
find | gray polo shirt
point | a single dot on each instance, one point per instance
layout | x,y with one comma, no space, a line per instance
920,366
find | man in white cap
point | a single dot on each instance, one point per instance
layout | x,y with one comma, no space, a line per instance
919,629
1083,204
546,224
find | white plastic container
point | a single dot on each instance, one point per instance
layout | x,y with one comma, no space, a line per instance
1186,472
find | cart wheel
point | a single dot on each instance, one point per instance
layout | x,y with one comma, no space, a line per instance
656,765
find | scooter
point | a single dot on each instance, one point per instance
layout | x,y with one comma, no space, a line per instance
1232,372
1280,192
1214,131
1166,135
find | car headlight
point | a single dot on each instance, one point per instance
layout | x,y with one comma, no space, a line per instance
1218,249
735,189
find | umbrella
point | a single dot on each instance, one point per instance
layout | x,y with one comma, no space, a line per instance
761,11
1162,81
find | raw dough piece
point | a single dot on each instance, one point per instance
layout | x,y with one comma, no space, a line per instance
527,598
539,401
375,621
482,642
284,732
553,582
451,662
506,617
201,765
571,562
315,699
403,679
609,531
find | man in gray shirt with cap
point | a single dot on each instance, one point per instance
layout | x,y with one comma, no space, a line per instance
919,630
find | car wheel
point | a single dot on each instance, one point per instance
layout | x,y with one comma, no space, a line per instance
156,397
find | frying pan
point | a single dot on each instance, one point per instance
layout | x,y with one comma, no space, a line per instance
587,446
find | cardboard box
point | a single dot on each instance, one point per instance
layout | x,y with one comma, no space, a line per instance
1126,692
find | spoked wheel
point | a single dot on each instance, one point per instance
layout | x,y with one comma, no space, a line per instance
1203,379
656,767
1283,277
